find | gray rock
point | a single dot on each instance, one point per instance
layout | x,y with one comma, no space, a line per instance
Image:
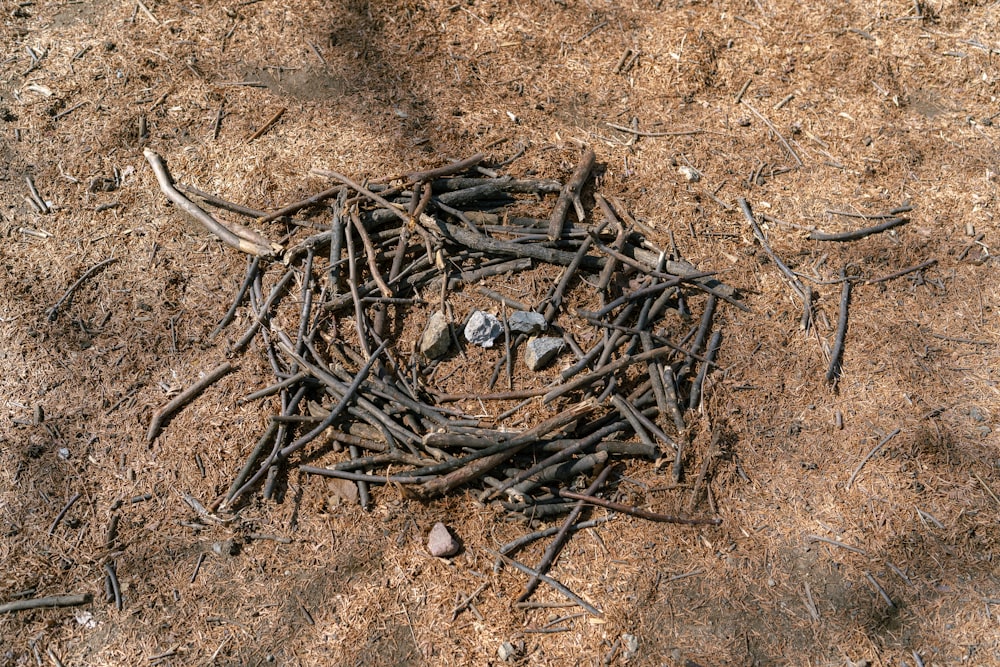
540,351
483,329
507,652
437,338
630,647
441,543
527,322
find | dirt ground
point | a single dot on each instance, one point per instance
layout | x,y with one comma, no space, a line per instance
882,103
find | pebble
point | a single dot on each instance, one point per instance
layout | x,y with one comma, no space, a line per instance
527,322
441,543
509,651
630,646
690,174
483,329
437,338
540,351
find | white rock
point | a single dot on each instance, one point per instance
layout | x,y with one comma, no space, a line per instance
483,329
690,174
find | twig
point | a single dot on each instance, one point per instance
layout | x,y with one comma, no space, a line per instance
183,398
47,602
836,357
591,609
255,246
464,604
640,133
311,200
870,455
448,169
796,284
53,312
641,513
771,126
571,195
62,513
817,235
902,272
552,551
252,269
116,588
525,540
835,543
267,126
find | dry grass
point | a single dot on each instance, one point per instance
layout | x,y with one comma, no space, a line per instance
887,108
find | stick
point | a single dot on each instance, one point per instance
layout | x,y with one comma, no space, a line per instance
833,372
259,246
240,294
641,513
640,133
902,272
62,513
116,588
267,126
47,602
53,312
525,540
183,398
796,284
594,611
552,552
598,373
858,233
571,195
448,169
771,126
869,457
305,203
713,348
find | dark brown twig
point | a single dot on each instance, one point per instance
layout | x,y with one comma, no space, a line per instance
53,312
552,552
817,235
183,398
591,609
268,125
570,195
641,513
836,357
902,272
62,513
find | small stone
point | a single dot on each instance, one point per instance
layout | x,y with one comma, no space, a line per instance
527,322
509,651
540,351
437,338
690,174
506,651
63,453
483,329
441,543
630,646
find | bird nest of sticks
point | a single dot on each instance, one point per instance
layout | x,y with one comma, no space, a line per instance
587,381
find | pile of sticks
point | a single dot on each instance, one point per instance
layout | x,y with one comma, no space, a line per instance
383,251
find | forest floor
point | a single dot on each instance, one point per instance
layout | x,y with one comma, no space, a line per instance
823,557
